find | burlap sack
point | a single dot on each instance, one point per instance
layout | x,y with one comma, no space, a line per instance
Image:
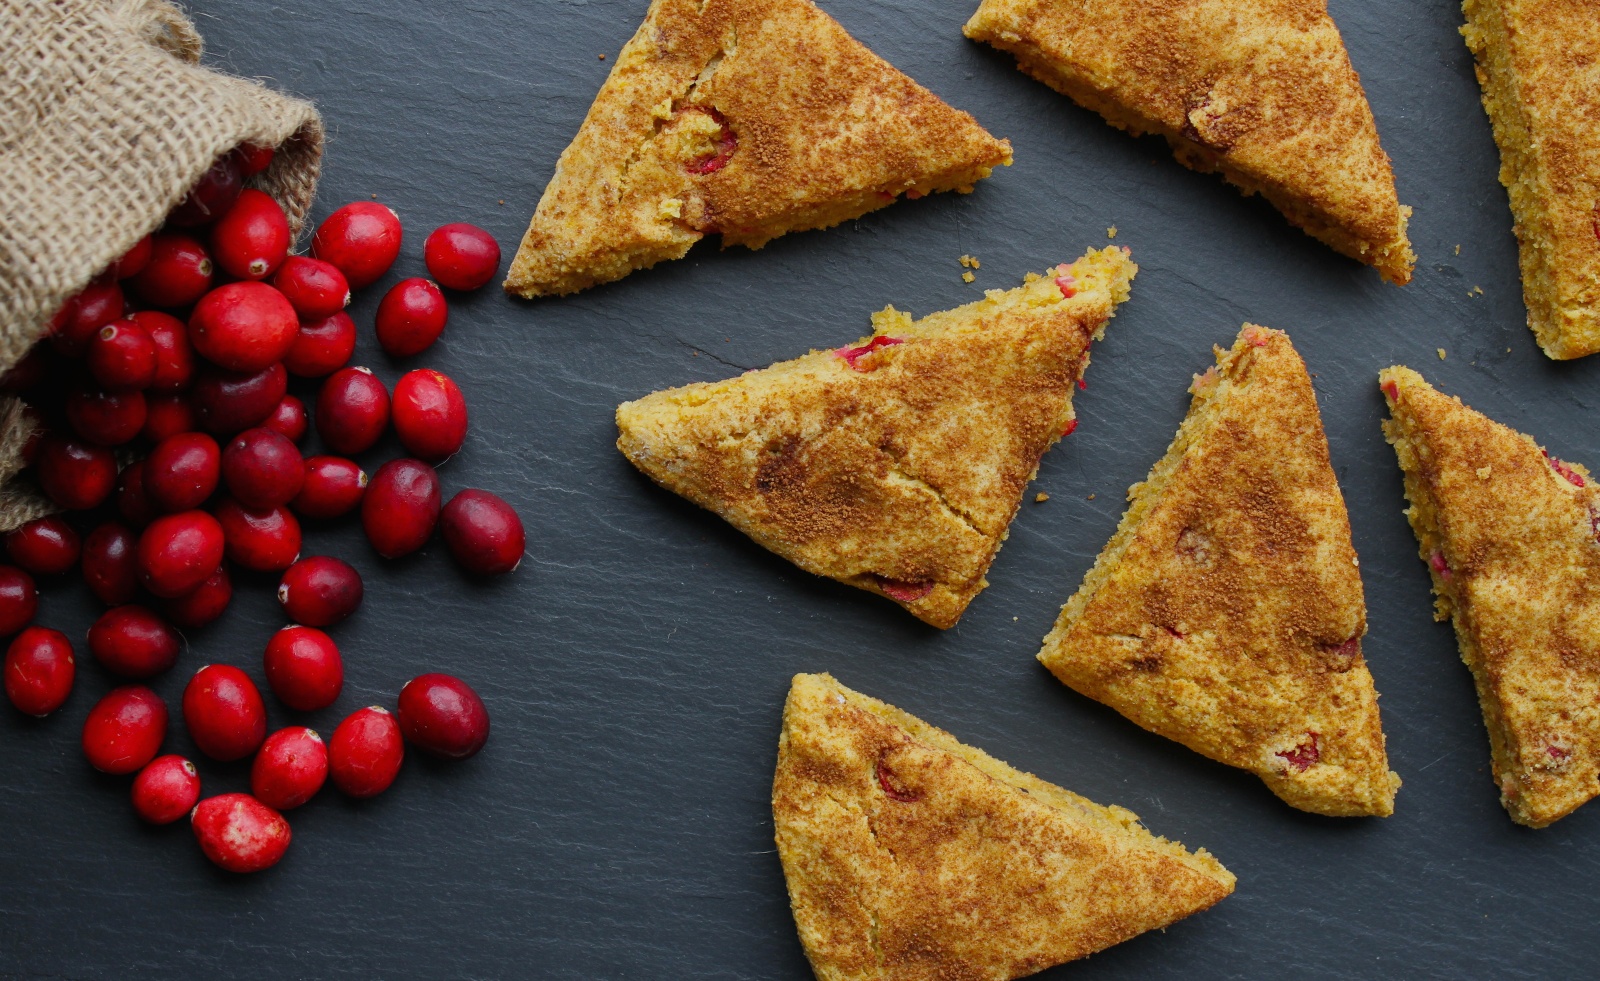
106,121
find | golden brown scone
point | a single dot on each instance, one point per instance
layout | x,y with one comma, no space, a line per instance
1508,533
912,857
897,463
1226,613
751,118
1539,66
1259,90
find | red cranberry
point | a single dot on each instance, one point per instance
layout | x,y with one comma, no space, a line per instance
239,833
174,356
263,469
181,473
362,239
290,768
122,355
133,261
289,418
430,416
482,532
124,730
315,289
167,415
352,410
243,326
178,274
45,546
39,670
251,159
333,487
134,642
166,789
109,566
228,401
19,600
322,346
365,752
133,503
179,552
224,712
401,507
204,605
213,194
251,240
320,591
262,540
411,316
461,256
106,418
304,668
99,304
76,476
442,715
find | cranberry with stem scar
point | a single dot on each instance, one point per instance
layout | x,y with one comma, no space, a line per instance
461,256
227,401
266,540
304,668
263,468
19,600
39,670
202,605
45,546
239,833
411,316
179,271
315,289
76,476
322,346
166,789
122,355
290,768
243,327
179,552
366,751
174,357
441,715
182,472
251,239
100,303
362,239
319,591
125,729
333,487
401,507
109,567
224,712
352,410
482,532
132,641
106,418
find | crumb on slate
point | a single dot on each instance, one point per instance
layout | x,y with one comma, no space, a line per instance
1441,353
1040,497
967,277
1111,232
1089,498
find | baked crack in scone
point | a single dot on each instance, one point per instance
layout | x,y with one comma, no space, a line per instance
1226,613
748,118
894,464
912,857
1539,66
1259,90
1508,533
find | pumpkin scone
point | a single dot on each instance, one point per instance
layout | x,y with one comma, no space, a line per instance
1539,66
910,856
1261,91
1226,613
748,118
894,464
1508,533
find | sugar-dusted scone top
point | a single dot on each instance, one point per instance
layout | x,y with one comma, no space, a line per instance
894,464
1227,612
751,118
912,857
1539,65
1260,90
1509,535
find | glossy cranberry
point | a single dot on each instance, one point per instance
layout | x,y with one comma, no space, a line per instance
315,289
429,414
228,401
362,239
461,256
178,274
45,546
166,789
124,730
401,507
213,194
411,316
289,419
333,487
304,668
132,261
319,591
352,410
442,715
243,326
99,304
35,368
122,355
290,768
19,600
76,476
482,532
224,712
239,833
263,468
179,552
181,473
167,415
251,240
106,418
39,670
109,566
322,346
174,356
266,540
201,606
366,751
251,159
134,642
133,503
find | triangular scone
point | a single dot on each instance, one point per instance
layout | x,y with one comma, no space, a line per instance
1508,533
912,856
1226,613
751,118
1259,90
1539,66
897,463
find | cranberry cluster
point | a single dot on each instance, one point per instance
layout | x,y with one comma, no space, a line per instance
180,355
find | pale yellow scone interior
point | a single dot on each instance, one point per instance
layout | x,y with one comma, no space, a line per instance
1261,91
1509,535
748,118
1539,66
1226,613
910,856
896,463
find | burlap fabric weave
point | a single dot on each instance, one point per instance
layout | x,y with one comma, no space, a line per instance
106,120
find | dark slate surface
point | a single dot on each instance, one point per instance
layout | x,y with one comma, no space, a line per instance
617,825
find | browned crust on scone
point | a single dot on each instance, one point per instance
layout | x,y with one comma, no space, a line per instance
1511,546
1261,91
912,857
1227,611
